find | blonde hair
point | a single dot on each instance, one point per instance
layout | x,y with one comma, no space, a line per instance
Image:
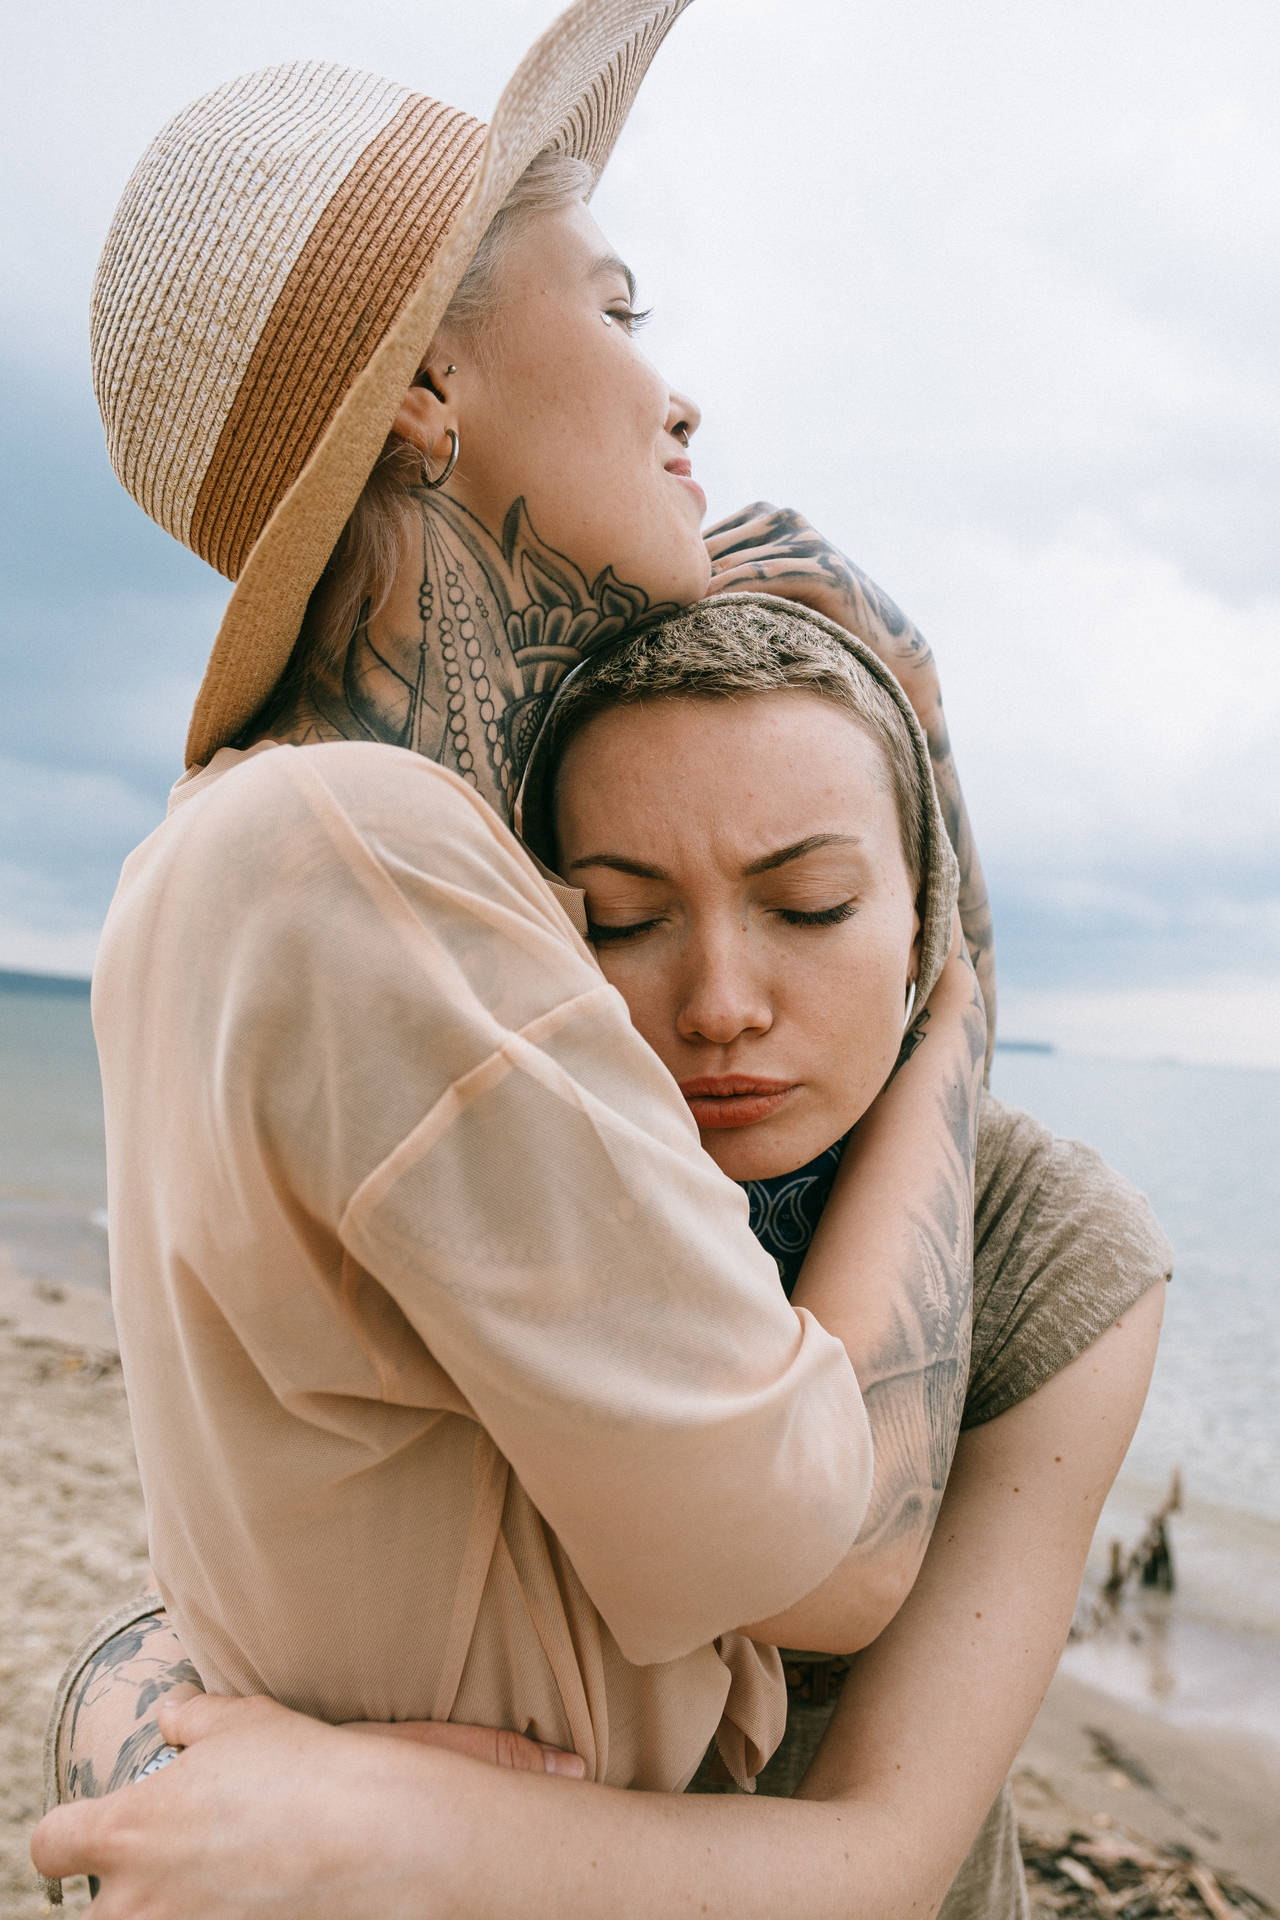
727,649
363,565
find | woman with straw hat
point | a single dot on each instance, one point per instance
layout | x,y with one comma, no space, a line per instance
743,708
400,1204
385,1157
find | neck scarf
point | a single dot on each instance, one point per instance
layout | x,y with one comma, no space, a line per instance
786,1209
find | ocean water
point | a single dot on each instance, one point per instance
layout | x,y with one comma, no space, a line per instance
1202,1142
53,1175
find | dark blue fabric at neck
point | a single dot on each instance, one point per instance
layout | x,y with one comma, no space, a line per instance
785,1210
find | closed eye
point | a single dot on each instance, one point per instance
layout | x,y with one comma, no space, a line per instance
601,936
824,917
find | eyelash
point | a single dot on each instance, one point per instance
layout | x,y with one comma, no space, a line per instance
631,318
604,936
825,917
790,916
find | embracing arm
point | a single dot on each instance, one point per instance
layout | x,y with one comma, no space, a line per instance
264,1797
976,1644
909,1342
891,1280
767,549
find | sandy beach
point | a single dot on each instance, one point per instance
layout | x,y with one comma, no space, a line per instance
1129,1807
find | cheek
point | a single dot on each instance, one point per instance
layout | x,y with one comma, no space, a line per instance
574,427
858,1009
649,995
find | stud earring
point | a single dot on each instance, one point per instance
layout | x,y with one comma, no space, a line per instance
607,318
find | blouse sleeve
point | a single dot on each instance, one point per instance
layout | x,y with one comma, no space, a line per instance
457,1088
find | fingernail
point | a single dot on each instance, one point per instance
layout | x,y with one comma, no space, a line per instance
572,1765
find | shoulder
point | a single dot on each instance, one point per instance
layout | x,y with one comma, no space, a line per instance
1063,1244
334,796
1029,1177
355,771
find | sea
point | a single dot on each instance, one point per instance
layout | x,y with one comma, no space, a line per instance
1203,1143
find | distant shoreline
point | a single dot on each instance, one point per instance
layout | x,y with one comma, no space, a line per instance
64,985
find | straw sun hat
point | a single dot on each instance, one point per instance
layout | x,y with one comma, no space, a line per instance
277,268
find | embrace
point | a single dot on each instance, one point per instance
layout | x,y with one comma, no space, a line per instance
562,1249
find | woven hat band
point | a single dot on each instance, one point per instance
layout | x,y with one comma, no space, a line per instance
374,243
303,205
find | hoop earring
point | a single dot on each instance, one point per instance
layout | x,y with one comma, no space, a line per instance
449,464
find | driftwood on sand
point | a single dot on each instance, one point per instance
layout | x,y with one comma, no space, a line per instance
1105,1875
1148,1564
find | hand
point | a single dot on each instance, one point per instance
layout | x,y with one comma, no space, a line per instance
325,1819
767,549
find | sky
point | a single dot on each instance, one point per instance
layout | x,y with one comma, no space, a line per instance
989,293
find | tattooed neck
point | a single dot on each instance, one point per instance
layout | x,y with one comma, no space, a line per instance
462,662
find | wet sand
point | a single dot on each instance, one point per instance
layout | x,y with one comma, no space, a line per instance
1187,1767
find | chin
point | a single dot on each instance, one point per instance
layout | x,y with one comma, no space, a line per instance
750,1153
681,576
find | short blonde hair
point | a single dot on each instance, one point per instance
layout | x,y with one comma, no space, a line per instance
726,649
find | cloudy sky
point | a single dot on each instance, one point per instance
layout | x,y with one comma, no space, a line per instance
989,292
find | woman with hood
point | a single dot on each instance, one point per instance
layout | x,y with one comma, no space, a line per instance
745,798
406,1219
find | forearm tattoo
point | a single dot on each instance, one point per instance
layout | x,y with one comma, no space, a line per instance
914,1382
109,1730
911,1039
499,623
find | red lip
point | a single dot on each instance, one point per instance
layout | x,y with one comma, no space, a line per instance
734,1099
682,470
721,1085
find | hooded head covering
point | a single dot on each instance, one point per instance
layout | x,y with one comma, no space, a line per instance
790,638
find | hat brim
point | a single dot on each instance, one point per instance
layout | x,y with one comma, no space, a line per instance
571,92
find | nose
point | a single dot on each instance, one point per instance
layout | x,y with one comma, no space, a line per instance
684,417
723,994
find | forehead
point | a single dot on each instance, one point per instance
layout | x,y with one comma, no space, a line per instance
562,243
748,772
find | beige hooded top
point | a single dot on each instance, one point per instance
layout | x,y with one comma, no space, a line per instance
459,1383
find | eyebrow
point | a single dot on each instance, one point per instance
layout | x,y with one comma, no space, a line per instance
610,263
766,864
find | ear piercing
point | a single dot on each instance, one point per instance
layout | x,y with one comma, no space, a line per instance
607,318
424,379
449,465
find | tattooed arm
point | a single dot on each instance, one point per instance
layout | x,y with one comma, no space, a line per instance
899,1294
109,1729
765,549
264,1799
